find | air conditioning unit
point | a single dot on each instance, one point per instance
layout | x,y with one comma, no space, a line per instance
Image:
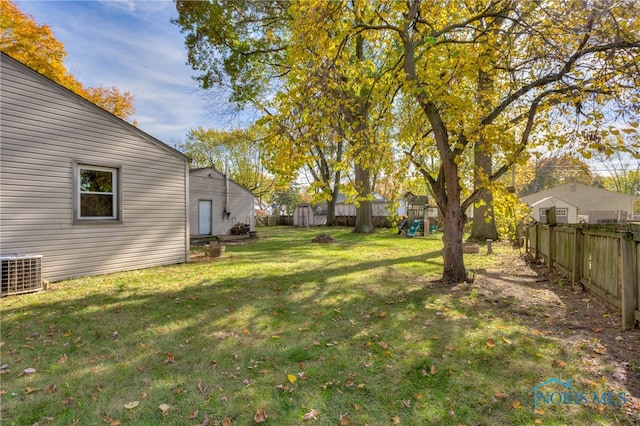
21,274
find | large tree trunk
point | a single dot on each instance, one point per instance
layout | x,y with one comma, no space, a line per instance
452,254
331,206
364,213
446,189
484,221
449,200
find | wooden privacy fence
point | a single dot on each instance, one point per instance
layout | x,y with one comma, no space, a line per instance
286,220
603,260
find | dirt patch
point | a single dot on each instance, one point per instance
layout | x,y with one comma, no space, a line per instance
561,310
324,238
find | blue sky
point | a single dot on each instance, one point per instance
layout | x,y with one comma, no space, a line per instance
132,45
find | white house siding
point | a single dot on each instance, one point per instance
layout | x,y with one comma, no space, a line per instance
44,129
597,203
547,203
209,184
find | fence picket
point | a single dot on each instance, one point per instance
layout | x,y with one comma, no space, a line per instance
604,260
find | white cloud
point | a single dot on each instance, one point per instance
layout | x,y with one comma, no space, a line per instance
131,45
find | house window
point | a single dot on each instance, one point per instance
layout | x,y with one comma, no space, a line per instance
97,193
564,212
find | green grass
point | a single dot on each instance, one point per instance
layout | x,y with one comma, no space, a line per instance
360,325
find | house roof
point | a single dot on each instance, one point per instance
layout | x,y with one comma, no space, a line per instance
209,170
551,198
105,113
584,197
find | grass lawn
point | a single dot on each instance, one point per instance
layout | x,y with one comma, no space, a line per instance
351,333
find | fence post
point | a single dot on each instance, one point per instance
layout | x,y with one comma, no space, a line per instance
552,246
577,255
628,290
537,250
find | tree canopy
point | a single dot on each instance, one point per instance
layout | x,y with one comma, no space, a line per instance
235,150
36,46
442,82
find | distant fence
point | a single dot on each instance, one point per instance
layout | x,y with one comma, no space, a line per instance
287,220
605,259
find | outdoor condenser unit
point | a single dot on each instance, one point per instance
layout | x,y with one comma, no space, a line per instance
21,274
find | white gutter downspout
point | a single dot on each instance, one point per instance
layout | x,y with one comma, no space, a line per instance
226,189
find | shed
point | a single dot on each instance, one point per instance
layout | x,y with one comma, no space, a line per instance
565,212
86,190
595,205
217,203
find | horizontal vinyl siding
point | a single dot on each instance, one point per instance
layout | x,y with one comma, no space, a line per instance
44,129
202,187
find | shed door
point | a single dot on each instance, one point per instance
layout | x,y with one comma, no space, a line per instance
204,217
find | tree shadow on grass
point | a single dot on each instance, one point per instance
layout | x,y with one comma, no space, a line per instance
373,334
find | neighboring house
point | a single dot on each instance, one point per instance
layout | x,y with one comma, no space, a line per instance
217,203
565,212
88,191
594,205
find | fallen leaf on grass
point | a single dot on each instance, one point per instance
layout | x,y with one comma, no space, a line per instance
505,340
491,343
170,359
516,404
559,363
203,389
260,416
193,415
396,420
164,408
344,420
29,389
600,350
27,371
311,415
131,405
111,421
226,422
292,378
502,395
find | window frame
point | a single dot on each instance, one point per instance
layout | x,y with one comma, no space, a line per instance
116,171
